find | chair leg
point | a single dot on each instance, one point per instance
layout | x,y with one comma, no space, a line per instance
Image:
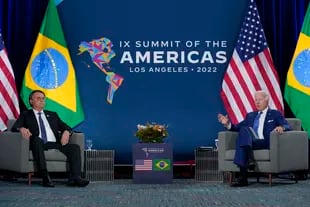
30,174
270,178
296,179
230,177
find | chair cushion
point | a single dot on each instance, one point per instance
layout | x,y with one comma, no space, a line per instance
259,155
51,155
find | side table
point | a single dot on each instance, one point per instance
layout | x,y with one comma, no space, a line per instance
206,168
99,165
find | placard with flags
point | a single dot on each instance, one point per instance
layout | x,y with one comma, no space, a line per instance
50,69
250,69
297,87
9,107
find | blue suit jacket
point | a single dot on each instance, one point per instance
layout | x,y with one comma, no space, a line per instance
273,119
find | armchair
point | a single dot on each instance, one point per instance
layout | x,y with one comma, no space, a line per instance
15,154
288,152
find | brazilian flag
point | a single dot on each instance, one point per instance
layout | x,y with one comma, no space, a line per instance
297,88
161,164
50,69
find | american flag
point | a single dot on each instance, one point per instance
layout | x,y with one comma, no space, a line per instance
9,107
250,69
143,165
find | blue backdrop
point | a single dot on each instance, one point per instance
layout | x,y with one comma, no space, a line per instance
190,45
167,20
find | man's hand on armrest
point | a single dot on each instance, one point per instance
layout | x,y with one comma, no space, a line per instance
25,132
279,129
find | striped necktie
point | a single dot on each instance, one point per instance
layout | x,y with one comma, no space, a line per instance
42,128
256,122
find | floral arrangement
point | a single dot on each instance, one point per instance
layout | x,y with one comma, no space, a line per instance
151,133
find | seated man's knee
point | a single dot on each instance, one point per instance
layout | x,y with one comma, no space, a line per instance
245,135
76,147
245,130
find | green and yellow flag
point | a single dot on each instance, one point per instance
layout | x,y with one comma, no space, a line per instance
161,164
297,88
50,69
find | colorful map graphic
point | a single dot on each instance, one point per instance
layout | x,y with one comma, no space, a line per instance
101,53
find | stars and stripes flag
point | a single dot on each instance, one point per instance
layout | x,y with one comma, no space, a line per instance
9,107
250,69
143,165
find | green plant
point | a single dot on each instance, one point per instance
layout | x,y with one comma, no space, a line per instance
151,133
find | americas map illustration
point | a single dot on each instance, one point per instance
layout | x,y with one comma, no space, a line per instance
101,53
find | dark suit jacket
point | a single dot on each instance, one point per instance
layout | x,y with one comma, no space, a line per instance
28,120
273,119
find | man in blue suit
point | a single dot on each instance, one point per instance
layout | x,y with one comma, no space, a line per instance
254,133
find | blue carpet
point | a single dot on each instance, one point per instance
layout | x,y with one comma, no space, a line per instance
183,192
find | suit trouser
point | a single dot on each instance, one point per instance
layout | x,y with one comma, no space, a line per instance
72,152
245,143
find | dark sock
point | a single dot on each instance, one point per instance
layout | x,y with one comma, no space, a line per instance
43,173
74,177
249,153
243,173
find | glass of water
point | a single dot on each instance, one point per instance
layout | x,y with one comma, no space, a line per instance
89,144
216,142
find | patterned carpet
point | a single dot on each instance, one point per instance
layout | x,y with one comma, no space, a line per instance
183,192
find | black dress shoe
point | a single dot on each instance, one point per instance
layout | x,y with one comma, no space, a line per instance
240,183
78,182
47,181
251,165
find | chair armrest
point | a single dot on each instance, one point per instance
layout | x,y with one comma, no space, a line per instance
14,152
227,140
78,138
289,151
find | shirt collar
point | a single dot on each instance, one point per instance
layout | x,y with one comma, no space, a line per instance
36,112
264,111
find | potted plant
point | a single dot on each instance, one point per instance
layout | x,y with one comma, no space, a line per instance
151,133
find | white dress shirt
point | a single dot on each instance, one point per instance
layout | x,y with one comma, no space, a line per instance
49,133
261,124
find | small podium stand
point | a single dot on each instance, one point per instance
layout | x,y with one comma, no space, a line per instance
152,163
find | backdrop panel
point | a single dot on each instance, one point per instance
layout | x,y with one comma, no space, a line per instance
165,61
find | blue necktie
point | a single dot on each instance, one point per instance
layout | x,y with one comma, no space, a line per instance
256,122
42,128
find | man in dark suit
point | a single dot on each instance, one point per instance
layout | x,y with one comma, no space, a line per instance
254,133
46,130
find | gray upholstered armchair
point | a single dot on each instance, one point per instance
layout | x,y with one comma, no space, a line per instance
288,152
15,155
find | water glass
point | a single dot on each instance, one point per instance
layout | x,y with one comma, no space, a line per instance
89,144
216,142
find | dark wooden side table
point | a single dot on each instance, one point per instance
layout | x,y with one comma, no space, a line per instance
99,165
